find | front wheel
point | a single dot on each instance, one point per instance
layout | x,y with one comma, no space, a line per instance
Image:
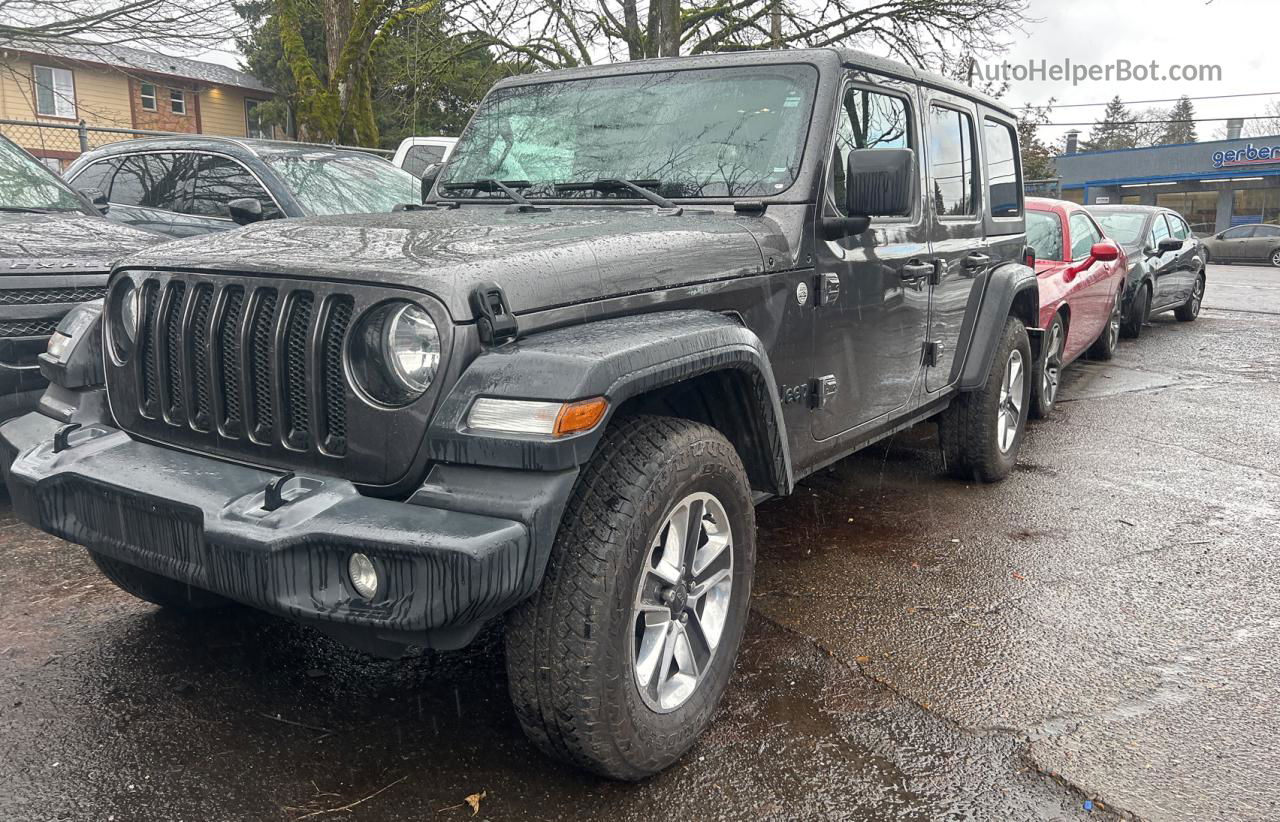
1104,348
618,662
981,431
1138,311
1188,311
1275,258
1044,388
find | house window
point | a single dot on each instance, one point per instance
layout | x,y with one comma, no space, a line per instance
177,101
253,125
55,92
147,91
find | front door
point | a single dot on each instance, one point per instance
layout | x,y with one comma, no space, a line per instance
956,216
871,296
1164,265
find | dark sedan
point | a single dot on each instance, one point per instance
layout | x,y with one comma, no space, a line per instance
1166,262
184,186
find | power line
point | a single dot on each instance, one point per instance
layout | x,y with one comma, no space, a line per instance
1158,122
1167,100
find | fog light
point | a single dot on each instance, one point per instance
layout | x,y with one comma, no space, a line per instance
364,577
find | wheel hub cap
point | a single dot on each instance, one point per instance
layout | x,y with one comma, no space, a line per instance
1052,366
1009,409
682,602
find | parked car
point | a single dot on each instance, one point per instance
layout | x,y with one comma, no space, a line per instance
416,154
1082,277
555,392
55,251
1166,262
1245,244
184,186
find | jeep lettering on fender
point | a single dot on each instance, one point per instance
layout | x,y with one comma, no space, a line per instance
636,300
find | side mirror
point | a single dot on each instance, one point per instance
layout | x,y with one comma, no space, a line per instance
880,182
429,175
1106,251
245,210
1219,235
1170,244
96,199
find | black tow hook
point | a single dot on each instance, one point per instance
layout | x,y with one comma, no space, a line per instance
273,496
60,437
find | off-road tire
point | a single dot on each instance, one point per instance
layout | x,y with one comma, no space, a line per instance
569,648
1188,311
1131,328
967,429
1042,406
158,590
1104,348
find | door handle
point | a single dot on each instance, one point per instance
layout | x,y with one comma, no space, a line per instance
913,274
976,261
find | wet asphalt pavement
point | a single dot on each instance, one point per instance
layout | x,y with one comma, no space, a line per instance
1098,636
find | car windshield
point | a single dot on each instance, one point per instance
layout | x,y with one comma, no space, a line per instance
1123,227
723,132
326,183
1044,234
27,185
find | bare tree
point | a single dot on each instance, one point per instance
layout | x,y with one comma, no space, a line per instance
180,24
1266,125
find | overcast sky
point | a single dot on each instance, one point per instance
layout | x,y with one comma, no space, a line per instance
1238,35
1241,36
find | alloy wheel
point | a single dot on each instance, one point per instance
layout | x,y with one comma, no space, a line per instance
1275,258
1051,373
1113,325
1009,409
1197,295
682,602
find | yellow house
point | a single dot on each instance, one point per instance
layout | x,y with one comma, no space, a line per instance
47,86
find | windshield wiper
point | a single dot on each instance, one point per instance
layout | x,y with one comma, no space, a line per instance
26,210
509,188
642,187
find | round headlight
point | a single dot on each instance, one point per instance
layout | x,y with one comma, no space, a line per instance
124,314
395,353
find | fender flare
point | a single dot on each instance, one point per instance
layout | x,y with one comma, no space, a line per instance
620,359
1012,290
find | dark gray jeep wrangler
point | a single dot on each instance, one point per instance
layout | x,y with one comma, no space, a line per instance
639,299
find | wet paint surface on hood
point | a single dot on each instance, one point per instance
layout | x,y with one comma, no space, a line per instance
35,242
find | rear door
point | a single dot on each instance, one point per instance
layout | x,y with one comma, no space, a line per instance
1263,243
958,244
872,294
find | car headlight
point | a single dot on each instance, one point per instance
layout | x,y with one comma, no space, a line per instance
125,315
395,353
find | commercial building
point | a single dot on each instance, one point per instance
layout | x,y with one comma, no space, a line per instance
1214,185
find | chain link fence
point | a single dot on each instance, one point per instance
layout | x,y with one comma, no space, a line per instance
58,144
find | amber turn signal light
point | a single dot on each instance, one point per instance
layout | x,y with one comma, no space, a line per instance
576,417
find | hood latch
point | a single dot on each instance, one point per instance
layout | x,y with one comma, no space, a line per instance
494,320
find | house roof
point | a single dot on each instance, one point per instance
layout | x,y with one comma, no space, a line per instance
133,59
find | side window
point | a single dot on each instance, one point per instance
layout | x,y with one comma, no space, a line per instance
951,162
1269,231
151,181
221,180
868,120
1238,233
1083,235
417,158
95,175
1179,228
1004,189
1159,230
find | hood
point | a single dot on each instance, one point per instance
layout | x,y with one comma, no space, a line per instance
551,257
66,241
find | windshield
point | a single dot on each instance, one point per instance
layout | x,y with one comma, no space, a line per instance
1123,227
26,184
325,183
723,132
1044,234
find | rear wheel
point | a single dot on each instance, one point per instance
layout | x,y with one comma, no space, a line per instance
1138,311
618,662
1104,348
162,591
981,431
1044,388
1275,258
1189,310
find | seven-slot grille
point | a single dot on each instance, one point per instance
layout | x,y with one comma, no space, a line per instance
254,365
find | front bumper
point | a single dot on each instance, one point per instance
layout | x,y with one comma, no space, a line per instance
201,520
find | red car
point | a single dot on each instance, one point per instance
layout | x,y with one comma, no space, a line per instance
1082,275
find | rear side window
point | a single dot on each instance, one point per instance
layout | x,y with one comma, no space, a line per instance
1003,187
221,180
868,120
1083,235
951,162
1044,234
417,158
95,175
152,181
1267,231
